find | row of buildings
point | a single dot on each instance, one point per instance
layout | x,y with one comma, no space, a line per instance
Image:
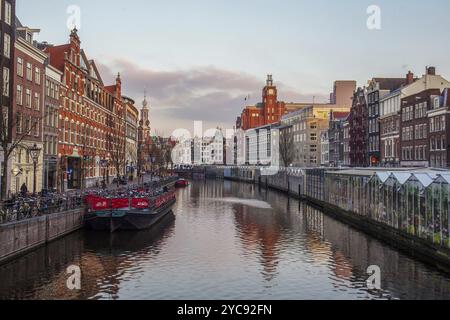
62,126
390,122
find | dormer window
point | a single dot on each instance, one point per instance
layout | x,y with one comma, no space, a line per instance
29,37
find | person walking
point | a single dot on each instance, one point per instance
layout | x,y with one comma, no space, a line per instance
24,190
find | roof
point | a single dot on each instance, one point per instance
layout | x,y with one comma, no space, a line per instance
401,177
57,55
425,179
390,84
111,89
340,115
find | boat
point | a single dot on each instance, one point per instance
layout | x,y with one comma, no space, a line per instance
182,183
127,213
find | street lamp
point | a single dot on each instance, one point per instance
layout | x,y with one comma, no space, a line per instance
35,152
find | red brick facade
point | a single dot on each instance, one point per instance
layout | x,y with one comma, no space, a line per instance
268,112
91,119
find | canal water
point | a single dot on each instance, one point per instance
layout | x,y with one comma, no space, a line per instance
225,240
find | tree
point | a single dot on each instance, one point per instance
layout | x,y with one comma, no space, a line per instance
12,136
286,146
115,145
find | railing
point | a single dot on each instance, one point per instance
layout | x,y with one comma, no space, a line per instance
31,207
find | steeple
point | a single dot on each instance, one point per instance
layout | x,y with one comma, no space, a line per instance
269,80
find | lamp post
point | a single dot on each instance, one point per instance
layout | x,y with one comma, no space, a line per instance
35,152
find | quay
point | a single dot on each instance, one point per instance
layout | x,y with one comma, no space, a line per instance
21,236
406,208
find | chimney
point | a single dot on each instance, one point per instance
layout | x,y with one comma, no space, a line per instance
409,78
431,71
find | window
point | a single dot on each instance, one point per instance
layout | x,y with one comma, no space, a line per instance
20,67
29,72
6,82
7,45
37,101
19,124
8,12
28,98
37,75
19,95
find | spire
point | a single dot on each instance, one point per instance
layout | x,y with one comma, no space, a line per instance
145,102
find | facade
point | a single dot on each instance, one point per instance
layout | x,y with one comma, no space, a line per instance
53,78
308,125
346,143
91,119
390,107
336,138
359,133
325,149
377,89
415,130
269,111
131,145
7,65
439,130
28,111
343,91
258,146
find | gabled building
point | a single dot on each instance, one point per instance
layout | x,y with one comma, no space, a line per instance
439,130
28,110
336,138
414,125
359,133
91,119
390,108
377,89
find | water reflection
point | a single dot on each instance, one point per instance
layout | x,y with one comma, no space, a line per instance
229,241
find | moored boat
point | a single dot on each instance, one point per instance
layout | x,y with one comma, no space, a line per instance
136,212
182,183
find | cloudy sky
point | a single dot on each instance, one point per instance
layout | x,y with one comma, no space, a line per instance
198,59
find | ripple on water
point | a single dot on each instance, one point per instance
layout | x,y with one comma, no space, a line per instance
228,241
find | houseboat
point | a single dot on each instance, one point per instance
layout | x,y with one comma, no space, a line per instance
132,210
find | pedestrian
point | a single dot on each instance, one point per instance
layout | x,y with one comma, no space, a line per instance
24,190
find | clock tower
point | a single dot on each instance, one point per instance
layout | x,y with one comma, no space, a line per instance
272,112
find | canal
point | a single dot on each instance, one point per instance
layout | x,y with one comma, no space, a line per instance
225,240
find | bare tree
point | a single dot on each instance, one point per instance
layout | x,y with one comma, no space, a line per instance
115,144
12,136
286,146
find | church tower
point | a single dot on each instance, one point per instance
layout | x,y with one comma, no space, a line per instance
144,123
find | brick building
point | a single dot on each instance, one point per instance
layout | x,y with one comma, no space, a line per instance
359,133
414,128
336,138
52,104
269,111
91,119
439,130
377,89
390,107
28,110
7,62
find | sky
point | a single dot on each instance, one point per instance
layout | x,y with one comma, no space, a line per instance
199,59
